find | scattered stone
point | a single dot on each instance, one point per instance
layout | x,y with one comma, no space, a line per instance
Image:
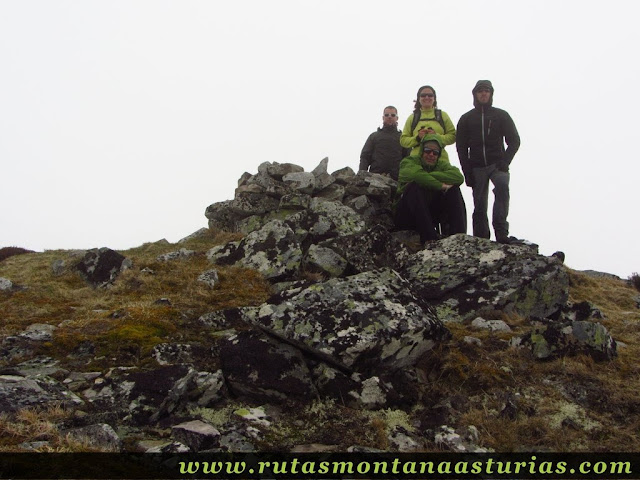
201,233
5,284
196,434
181,254
571,338
101,436
493,325
209,278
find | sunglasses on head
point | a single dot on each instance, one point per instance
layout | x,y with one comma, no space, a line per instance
430,95
431,151
390,115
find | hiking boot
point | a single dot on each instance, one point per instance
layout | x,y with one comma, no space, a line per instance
504,239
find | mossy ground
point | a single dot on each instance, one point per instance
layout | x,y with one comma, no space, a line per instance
559,405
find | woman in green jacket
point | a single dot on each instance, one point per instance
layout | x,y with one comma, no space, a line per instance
430,201
431,120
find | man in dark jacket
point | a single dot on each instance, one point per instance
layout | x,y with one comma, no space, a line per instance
481,135
382,151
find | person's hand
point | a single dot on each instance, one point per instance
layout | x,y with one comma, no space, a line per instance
503,166
422,132
446,187
468,179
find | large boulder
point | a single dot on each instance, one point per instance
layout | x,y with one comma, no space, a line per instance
101,266
366,322
464,277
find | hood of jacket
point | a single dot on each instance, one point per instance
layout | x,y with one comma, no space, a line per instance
482,84
430,138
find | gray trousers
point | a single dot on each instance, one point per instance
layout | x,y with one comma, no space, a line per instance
500,180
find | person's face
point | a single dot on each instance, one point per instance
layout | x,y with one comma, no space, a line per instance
427,97
483,95
390,116
431,153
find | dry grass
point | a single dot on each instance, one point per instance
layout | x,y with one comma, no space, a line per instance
35,425
126,320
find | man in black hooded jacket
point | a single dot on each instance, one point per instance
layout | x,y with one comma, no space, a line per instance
481,135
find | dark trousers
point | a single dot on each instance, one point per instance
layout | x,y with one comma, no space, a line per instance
417,211
500,181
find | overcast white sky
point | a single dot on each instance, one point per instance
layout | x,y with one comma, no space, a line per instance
122,120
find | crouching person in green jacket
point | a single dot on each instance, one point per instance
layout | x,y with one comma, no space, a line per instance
430,193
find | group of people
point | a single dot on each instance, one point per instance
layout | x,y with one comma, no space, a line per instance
429,197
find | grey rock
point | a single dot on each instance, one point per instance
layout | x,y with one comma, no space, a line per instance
371,184
321,169
252,204
101,266
322,182
493,325
134,395
195,389
332,193
264,369
181,254
324,260
372,394
201,233
209,278
101,436
5,284
303,182
196,434
464,277
295,201
244,178
366,321
19,392
462,440
401,440
273,251
330,219
596,274
38,332
220,217
58,267
169,447
173,353
372,249
571,338
580,311
344,175
279,170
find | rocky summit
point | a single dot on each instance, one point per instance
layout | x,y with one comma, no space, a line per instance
301,320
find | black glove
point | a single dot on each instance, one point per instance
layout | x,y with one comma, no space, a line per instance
468,179
503,166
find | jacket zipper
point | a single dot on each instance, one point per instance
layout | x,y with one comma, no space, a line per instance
484,149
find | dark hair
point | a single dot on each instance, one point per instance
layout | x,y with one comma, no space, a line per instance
390,106
416,103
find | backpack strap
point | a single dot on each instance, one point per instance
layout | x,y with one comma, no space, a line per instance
416,119
438,118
